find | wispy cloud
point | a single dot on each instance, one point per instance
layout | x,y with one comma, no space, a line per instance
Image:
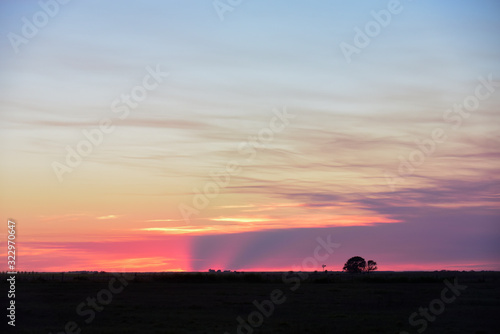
108,217
161,220
242,219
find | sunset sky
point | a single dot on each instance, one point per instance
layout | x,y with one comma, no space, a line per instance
234,136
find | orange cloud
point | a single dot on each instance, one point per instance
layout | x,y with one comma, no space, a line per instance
108,217
249,224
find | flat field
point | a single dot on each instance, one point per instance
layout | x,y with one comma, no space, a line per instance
333,302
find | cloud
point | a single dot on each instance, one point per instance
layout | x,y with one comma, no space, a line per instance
161,220
242,219
108,217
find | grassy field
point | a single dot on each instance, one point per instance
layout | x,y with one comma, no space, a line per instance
292,303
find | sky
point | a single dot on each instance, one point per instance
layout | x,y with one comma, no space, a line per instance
243,135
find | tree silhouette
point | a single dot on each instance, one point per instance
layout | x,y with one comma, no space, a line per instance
355,264
372,266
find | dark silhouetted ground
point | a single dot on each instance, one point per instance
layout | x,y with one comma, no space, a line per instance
210,303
